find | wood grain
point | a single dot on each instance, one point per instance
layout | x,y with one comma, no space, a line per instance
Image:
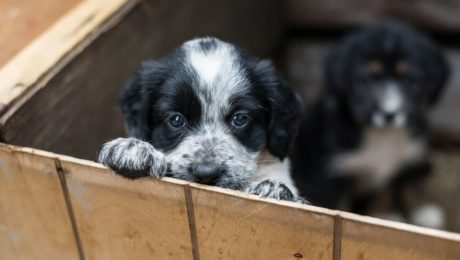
34,221
368,238
59,43
232,227
119,218
22,21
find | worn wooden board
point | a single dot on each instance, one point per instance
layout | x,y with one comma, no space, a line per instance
369,238
237,227
34,220
76,100
122,219
117,218
45,55
438,15
23,20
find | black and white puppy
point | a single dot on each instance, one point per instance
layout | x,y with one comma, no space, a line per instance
367,132
209,113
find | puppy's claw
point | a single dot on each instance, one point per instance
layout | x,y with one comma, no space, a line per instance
133,158
274,190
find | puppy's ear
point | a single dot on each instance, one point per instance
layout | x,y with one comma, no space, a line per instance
335,67
137,98
284,106
438,73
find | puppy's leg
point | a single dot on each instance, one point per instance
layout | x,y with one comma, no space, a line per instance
133,158
274,190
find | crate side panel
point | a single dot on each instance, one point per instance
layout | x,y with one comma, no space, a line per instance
22,21
119,218
231,227
368,241
34,221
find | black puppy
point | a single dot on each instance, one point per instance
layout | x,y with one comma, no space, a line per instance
210,113
367,131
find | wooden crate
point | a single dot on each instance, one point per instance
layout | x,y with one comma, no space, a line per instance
59,94
59,207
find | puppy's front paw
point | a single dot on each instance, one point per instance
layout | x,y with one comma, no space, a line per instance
274,190
133,158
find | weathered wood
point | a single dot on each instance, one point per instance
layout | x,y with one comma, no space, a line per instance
369,238
119,218
22,21
41,59
439,15
34,221
78,100
241,227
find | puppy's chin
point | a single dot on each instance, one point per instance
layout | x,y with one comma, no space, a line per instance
379,120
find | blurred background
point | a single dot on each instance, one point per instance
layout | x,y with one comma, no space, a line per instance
296,34
314,27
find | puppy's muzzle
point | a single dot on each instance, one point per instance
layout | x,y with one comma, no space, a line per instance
207,173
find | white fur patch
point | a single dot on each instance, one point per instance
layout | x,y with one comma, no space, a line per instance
378,120
270,167
391,99
429,215
219,73
400,120
381,155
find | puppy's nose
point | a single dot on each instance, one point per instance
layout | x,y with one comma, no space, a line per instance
207,172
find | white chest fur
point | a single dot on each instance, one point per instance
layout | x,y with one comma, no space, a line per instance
383,152
270,167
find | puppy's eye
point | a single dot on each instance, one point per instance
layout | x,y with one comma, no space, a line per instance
239,120
401,67
176,120
376,67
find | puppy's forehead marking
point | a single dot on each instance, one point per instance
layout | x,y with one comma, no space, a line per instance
219,73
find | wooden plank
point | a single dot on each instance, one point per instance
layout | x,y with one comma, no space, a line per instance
34,221
369,238
232,225
80,101
119,218
23,20
63,40
436,15
148,219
